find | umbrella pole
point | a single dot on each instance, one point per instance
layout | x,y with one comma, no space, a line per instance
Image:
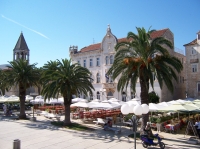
178,115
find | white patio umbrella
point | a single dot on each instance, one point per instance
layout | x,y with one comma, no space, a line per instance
77,100
3,99
196,101
28,98
12,98
105,105
116,101
135,101
165,104
173,102
61,100
155,107
197,104
95,101
173,108
80,104
54,101
113,99
38,100
180,101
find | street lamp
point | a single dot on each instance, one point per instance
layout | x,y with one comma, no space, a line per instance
33,118
137,109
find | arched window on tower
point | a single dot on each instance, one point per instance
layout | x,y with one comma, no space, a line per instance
98,77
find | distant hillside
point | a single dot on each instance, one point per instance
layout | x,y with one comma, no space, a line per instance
4,66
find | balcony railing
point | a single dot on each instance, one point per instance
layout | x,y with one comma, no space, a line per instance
194,60
109,85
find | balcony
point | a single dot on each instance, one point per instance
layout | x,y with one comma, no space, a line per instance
109,85
194,60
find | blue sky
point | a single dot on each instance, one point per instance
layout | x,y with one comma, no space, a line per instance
51,26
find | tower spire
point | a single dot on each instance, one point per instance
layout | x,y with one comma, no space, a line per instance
21,50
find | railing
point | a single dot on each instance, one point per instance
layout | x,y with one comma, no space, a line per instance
109,85
194,60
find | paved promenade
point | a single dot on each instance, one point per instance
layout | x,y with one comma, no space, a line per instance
42,135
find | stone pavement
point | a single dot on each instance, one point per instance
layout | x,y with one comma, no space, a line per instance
42,135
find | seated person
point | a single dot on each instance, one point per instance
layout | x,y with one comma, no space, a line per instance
149,133
181,123
172,121
108,124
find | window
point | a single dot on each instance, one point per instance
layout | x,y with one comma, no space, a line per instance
107,78
107,60
91,97
194,68
78,62
91,64
91,79
98,95
193,51
111,59
98,61
111,80
132,95
198,87
199,36
98,78
124,96
84,63
110,94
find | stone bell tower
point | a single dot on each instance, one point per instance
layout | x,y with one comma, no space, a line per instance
21,50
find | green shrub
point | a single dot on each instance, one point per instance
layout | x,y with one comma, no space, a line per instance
153,97
127,117
153,119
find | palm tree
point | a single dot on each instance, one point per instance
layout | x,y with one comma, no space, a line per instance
62,77
143,58
4,86
24,75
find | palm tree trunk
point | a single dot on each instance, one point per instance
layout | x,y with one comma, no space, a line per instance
144,99
67,104
22,94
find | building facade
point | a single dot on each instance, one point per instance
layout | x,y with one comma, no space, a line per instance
192,51
98,58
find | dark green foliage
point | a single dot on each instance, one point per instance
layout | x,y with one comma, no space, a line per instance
153,98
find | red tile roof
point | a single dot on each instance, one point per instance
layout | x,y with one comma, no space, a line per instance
191,43
91,47
98,45
158,33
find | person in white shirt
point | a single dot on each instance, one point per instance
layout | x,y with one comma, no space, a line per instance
197,125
